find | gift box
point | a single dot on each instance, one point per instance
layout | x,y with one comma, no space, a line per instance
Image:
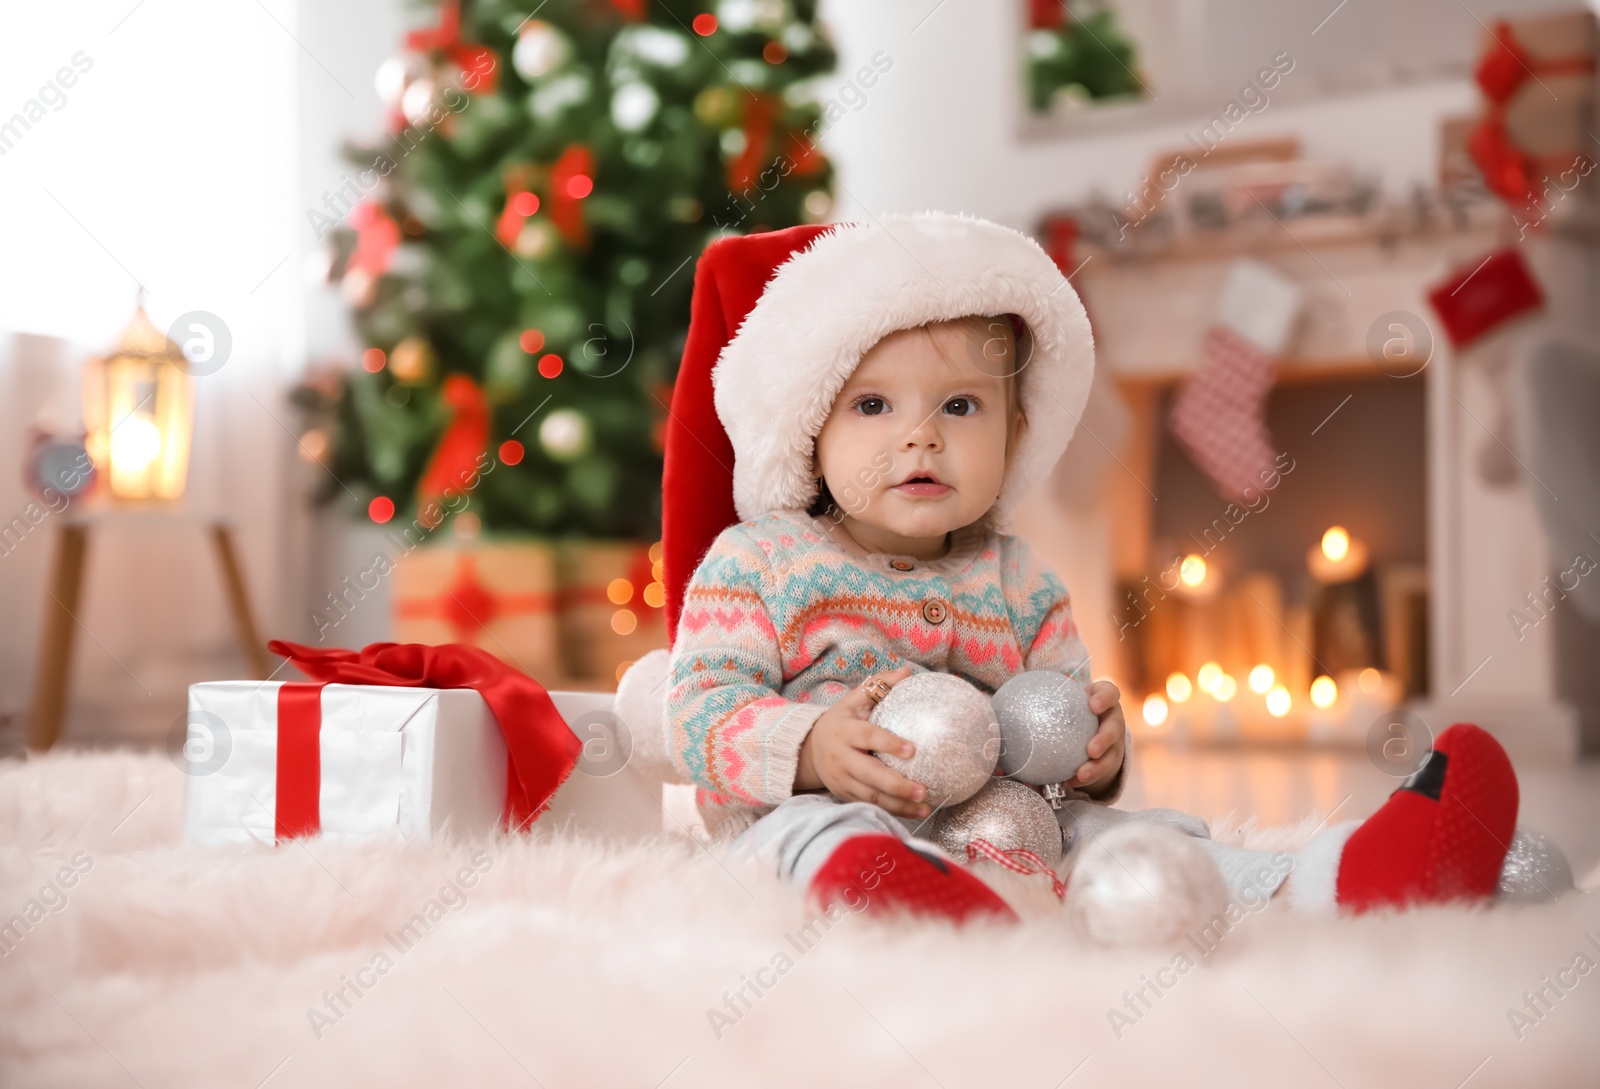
401,761
611,605
498,595
272,761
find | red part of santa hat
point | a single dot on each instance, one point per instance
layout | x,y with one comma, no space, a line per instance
780,319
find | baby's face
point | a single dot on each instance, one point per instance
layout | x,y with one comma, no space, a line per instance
908,413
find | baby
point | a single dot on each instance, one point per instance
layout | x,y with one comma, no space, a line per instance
878,455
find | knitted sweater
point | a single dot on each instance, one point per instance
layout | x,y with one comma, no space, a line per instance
786,613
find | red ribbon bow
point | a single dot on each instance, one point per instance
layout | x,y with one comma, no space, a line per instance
541,748
1018,860
1507,169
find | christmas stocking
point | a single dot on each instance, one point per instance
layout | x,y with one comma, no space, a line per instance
878,874
1442,835
1217,415
1477,301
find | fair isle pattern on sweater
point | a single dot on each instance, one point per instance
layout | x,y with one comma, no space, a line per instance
780,619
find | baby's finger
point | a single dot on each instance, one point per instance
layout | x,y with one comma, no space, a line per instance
860,701
1103,739
867,788
886,787
1093,769
1102,696
864,735
880,776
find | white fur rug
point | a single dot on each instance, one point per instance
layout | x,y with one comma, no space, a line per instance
572,963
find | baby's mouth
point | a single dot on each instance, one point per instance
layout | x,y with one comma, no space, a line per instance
922,486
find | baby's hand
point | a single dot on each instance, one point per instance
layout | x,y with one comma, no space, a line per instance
838,754
1107,746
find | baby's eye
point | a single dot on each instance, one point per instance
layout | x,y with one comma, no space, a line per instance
871,406
961,406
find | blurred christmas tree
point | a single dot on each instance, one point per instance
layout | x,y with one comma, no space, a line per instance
519,249
1080,53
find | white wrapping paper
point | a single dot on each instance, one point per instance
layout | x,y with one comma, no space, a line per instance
403,762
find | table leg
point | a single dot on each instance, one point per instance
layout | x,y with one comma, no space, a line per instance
244,621
55,645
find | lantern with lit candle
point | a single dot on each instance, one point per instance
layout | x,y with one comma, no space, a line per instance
1345,623
138,409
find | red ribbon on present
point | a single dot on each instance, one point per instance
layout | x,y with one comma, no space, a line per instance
541,749
1018,860
468,606
640,573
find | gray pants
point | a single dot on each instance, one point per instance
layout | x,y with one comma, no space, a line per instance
797,837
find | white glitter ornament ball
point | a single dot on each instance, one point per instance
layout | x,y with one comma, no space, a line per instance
953,728
1045,727
1143,884
1535,870
1007,814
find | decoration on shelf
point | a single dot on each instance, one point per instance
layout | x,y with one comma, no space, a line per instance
1217,415
1478,304
138,408
1537,78
1007,814
952,724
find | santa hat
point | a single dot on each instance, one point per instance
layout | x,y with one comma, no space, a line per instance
778,322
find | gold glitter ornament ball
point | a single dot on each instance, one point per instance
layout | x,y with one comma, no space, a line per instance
953,727
1007,814
1535,870
1045,727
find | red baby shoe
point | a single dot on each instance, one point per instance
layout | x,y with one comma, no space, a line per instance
879,873
1442,835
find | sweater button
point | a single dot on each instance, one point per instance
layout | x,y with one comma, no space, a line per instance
934,611
902,565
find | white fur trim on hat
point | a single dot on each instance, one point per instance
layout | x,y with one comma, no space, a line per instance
830,302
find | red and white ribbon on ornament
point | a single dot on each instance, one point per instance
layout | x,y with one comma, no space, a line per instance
1018,860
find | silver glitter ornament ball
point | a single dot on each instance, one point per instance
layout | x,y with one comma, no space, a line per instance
1007,814
953,727
1535,870
1045,727
1143,884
